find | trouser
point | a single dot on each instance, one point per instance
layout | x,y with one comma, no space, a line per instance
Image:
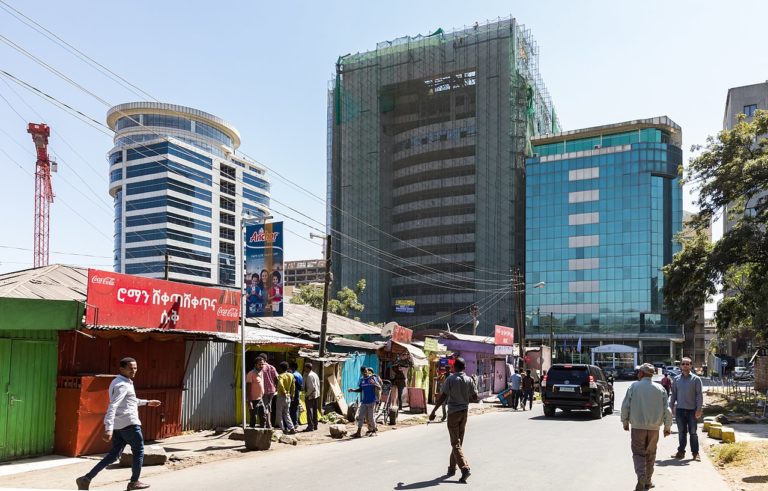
644,444
258,410
267,400
516,395
312,412
366,413
400,397
456,423
445,404
130,435
295,411
528,396
686,425
282,407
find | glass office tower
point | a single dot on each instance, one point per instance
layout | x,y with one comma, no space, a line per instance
603,207
180,191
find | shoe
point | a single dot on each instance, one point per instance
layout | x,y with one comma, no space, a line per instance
137,485
679,455
451,472
640,486
649,485
83,482
308,430
357,435
464,476
442,419
697,457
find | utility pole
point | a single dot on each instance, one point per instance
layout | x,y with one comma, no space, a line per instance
518,288
324,318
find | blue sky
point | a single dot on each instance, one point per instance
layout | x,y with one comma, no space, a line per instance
265,68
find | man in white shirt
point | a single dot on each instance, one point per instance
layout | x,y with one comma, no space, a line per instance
311,395
122,426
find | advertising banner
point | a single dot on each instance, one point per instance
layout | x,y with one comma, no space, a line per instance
504,336
405,306
505,350
264,270
116,299
402,334
431,344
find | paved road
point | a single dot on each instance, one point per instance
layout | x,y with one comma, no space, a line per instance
507,450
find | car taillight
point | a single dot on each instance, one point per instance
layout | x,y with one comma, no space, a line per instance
592,383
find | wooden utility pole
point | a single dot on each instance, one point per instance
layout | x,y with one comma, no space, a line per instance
324,319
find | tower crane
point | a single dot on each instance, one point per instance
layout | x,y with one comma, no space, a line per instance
43,192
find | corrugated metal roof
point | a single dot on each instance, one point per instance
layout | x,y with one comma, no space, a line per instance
469,337
305,319
354,343
54,282
257,335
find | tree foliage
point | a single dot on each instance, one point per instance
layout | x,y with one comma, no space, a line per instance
346,300
732,170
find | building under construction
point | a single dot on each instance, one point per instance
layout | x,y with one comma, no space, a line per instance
427,139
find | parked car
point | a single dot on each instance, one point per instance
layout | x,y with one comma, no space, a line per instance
577,386
610,371
672,370
626,373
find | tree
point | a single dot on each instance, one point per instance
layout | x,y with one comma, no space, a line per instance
346,300
731,170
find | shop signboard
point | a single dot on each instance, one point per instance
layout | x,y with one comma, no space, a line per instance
405,306
431,345
501,349
504,336
264,270
402,334
115,299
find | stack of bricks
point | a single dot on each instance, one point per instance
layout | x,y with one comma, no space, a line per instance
761,373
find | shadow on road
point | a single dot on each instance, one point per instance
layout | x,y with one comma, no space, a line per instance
569,416
425,484
756,479
672,463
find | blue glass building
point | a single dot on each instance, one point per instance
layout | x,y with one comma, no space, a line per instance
603,207
179,189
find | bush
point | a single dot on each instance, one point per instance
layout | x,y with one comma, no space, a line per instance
730,452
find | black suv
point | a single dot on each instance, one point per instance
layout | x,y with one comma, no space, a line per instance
576,386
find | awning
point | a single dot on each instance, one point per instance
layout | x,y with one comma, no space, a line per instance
417,356
614,348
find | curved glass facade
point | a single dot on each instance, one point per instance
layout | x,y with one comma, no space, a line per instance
179,201
600,224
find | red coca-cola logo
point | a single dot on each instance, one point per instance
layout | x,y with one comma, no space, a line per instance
103,280
232,312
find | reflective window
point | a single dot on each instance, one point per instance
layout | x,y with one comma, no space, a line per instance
749,110
159,267
211,132
255,197
159,166
166,183
255,181
161,201
128,122
115,175
163,233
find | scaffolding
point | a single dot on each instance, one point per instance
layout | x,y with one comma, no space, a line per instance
427,140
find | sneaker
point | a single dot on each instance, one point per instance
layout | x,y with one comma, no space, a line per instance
464,476
697,457
451,472
679,455
137,485
83,482
357,435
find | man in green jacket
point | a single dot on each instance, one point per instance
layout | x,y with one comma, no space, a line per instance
645,409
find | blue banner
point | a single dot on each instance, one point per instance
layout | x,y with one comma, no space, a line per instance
264,270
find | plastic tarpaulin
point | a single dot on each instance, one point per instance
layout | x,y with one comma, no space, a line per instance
350,372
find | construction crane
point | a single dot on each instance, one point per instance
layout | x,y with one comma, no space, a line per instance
43,192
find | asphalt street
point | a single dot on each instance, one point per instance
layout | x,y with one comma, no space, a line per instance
506,450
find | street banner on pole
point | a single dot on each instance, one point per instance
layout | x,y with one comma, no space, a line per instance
123,300
504,336
264,270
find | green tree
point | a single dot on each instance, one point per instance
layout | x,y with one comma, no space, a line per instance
732,169
346,300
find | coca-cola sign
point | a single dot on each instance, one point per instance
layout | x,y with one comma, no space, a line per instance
116,299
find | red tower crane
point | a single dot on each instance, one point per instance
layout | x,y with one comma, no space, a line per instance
43,192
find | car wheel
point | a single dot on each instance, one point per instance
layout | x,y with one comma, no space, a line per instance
597,412
549,411
609,408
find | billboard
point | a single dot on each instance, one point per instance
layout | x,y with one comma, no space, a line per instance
402,334
504,336
405,306
116,299
264,270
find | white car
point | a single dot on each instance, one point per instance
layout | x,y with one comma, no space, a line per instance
674,371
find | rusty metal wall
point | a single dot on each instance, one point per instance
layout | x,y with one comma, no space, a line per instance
208,399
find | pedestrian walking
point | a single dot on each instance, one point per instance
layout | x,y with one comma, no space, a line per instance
644,411
686,402
296,396
515,383
311,396
122,426
527,389
367,387
254,387
286,386
398,380
666,382
269,375
458,390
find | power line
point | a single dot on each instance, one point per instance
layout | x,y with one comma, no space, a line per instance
56,252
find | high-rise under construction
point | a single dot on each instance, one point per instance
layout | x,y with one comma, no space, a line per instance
427,140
